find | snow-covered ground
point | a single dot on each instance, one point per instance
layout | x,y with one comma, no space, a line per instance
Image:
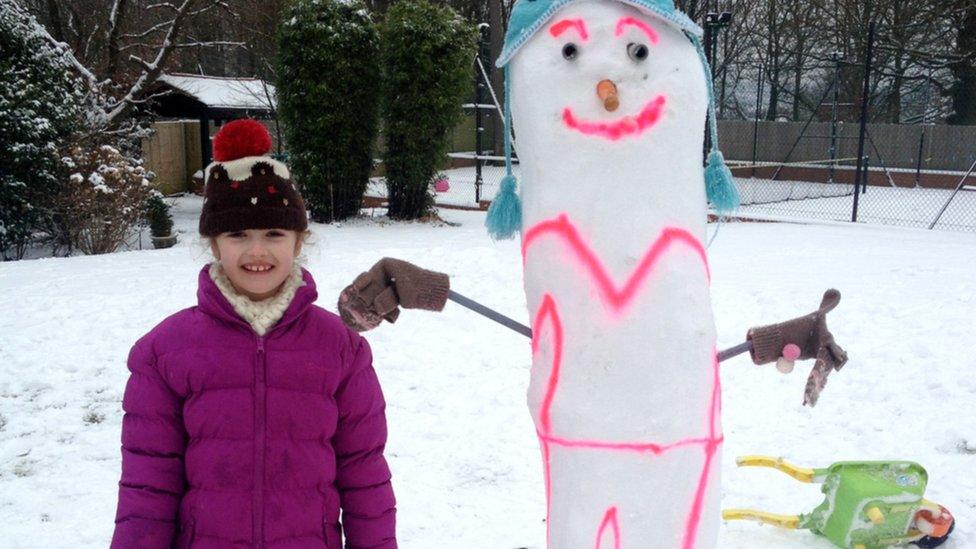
462,448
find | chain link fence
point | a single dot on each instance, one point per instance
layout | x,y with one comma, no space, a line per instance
912,175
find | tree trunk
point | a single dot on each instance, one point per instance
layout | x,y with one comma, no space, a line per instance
772,57
112,67
964,71
898,82
54,16
798,81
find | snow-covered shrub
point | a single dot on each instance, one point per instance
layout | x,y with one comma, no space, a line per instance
328,99
428,55
157,212
41,108
104,197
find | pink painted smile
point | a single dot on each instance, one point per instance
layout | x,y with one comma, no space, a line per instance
626,126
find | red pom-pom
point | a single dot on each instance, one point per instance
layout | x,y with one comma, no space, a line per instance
241,138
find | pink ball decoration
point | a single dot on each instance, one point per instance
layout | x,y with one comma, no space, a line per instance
441,185
791,351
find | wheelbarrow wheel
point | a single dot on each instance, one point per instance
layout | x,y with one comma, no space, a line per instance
929,541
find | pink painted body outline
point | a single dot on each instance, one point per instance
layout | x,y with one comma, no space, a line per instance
648,447
648,30
627,126
618,299
563,25
609,519
548,309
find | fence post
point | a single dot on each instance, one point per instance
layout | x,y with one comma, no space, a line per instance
866,174
864,118
714,22
479,129
918,166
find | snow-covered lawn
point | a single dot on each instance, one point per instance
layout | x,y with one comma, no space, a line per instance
462,448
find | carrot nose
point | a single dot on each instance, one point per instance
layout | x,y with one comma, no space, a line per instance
606,90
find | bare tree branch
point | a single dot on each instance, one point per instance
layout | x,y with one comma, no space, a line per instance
153,69
151,30
208,44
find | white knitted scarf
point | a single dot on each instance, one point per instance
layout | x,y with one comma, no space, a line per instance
261,315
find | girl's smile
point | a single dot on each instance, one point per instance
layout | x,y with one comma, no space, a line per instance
257,261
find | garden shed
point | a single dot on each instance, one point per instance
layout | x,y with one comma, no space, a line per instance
189,109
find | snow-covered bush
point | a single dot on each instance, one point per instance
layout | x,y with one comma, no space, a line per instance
328,99
428,55
160,220
104,198
41,108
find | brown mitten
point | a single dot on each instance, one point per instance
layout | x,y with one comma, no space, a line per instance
391,283
802,338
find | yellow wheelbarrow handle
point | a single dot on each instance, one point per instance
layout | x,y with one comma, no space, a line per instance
791,522
803,474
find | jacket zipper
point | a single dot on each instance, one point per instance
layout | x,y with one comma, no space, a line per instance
260,387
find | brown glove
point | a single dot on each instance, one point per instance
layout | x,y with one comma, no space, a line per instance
391,283
804,338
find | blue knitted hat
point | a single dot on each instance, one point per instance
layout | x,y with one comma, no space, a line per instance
528,16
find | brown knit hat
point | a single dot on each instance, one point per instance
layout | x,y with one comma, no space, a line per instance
245,188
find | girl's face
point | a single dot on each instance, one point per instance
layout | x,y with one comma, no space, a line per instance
257,261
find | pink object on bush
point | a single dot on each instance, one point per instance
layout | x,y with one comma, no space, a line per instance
791,351
441,185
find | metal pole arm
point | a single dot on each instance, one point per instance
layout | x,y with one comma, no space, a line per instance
527,332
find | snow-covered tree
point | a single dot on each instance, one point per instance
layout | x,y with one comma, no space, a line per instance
41,107
328,98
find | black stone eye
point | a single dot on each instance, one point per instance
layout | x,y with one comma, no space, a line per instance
637,52
570,51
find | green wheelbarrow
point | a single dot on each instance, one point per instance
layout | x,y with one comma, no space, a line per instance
868,505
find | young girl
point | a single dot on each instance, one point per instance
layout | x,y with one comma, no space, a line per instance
254,417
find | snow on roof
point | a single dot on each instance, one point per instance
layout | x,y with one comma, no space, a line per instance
223,93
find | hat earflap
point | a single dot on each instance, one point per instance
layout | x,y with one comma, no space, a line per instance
505,213
720,186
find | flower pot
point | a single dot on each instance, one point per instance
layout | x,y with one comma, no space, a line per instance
160,242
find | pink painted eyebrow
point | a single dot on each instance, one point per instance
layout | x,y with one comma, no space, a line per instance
624,21
565,24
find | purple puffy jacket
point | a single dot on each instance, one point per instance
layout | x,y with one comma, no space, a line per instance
235,440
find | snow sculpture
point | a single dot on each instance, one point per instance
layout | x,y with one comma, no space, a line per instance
608,102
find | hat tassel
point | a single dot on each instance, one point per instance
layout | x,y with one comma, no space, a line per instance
505,214
719,185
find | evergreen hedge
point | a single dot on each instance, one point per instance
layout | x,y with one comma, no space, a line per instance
157,212
428,56
328,98
41,107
